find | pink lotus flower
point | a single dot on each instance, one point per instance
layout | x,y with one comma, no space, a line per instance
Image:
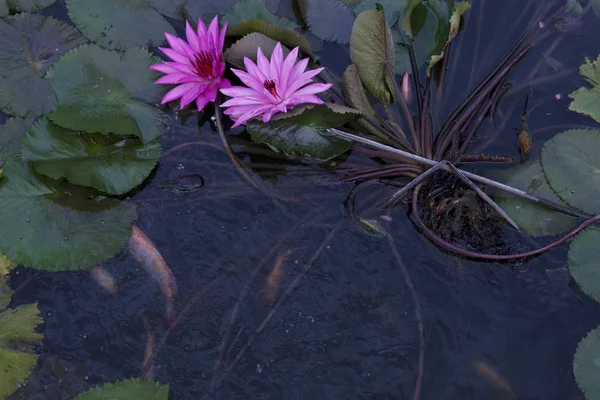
275,86
197,67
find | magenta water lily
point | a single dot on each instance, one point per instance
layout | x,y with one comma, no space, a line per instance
272,86
197,65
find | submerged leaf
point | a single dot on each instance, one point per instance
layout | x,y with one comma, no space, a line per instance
58,226
255,9
127,389
532,218
303,131
17,342
586,364
118,24
329,20
372,50
584,261
287,37
587,100
108,163
11,134
30,45
104,91
246,47
571,163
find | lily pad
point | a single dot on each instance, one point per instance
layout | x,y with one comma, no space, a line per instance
571,162
532,218
126,390
587,100
11,134
27,5
287,37
17,341
406,22
586,365
30,45
303,132
457,10
57,226
255,9
5,266
118,24
108,163
329,20
104,91
372,50
393,9
584,261
246,47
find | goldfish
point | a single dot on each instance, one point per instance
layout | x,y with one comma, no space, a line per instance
487,372
104,279
274,277
148,257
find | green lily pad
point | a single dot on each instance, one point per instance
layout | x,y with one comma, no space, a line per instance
329,20
104,91
457,10
532,218
108,163
406,22
5,266
246,47
127,390
11,134
57,226
25,5
287,37
303,131
255,9
584,261
355,92
394,9
573,6
118,24
17,341
586,365
401,53
30,45
372,51
587,100
571,162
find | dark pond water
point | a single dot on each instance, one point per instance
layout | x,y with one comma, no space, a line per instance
347,330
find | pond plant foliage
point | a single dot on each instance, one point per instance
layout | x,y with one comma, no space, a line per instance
87,109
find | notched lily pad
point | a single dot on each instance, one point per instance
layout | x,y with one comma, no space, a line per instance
31,43
586,365
105,91
534,219
571,162
587,100
329,20
17,342
108,163
303,132
247,47
584,261
118,24
393,9
255,9
127,389
57,226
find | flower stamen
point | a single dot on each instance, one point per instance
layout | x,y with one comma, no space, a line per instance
270,86
203,64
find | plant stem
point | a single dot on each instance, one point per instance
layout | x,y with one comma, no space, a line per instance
400,99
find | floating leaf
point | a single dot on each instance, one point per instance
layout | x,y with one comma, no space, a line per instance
28,5
58,226
108,163
584,261
287,37
372,50
103,91
17,341
355,92
5,266
255,9
586,365
11,134
401,54
206,9
126,390
30,45
459,9
532,218
393,8
328,19
573,6
406,20
571,163
118,24
587,101
246,47
303,131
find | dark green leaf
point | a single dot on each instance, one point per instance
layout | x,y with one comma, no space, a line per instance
127,390
247,47
30,45
255,9
586,365
407,19
103,91
11,134
584,261
108,163
571,162
587,101
329,20
28,5
326,115
401,53
372,50
454,24
393,8
17,342
58,226
573,6
118,24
